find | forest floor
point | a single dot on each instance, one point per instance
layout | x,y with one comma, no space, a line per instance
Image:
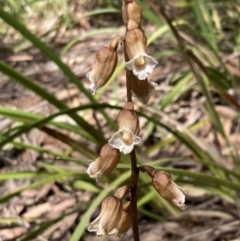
207,217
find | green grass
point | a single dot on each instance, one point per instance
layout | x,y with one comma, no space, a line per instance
200,34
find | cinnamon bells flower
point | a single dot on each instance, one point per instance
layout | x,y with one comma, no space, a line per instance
142,89
128,130
162,182
131,10
139,62
125,221
106,61
111,211
106,162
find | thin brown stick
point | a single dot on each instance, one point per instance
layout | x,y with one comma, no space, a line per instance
133,195
128,85
134,169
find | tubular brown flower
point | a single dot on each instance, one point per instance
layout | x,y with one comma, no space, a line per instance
162,182
125,221
106,61
111,211
131,10
142,89
128,130
106,162
139,62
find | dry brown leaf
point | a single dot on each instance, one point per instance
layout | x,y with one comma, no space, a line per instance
38,211
57,209
12,233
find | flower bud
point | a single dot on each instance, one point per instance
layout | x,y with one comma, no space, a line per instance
106,61
139,62
111,211
142,89
162,182
131,10
128,130
121,192
125,221
106,162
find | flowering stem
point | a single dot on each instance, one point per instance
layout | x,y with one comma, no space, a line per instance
133,195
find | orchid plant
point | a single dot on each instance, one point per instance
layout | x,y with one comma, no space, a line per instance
116,217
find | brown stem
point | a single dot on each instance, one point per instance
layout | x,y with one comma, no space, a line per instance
129,91
133,195
148,169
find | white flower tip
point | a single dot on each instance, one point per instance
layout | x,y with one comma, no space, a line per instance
101,233
98,178
91,229
180,205
117,142
179,200
142,71
136,139
142,75
129,64
126,149
88,75
115,232
93,171
93,88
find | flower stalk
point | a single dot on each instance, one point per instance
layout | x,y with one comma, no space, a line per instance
133,195
116,217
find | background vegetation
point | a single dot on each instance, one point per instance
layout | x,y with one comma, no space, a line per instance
190,128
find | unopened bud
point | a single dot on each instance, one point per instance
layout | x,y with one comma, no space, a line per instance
131,10
127,119
128,130
132,25
106,61
139,62
111,211
142,89
121,192
162,182
135,39
106,162
125,221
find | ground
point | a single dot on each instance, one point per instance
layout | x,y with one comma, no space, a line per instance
207,217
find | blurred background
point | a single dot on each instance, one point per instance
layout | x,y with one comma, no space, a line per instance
51,127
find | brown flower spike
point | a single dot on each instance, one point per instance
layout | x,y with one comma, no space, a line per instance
131,10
